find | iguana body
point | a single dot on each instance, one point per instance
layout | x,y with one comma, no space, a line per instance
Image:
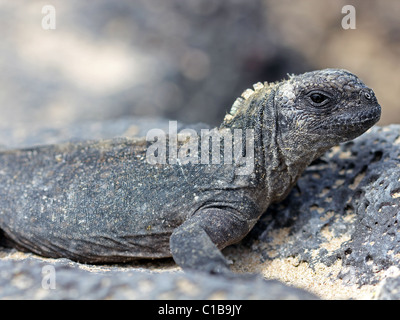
104,202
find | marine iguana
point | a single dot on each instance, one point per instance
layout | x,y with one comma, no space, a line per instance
103,201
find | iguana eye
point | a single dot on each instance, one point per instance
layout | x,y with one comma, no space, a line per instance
318,99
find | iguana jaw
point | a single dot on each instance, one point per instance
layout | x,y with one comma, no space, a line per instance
350,126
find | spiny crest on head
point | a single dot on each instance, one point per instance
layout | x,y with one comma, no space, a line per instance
246,95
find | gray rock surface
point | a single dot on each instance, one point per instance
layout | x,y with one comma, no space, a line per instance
349,197
35,278
390,289
20,136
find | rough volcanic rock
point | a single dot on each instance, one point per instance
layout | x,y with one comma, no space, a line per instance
390,289
345,208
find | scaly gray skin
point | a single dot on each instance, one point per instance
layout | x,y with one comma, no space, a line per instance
102,201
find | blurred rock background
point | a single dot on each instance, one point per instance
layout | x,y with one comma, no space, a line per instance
183,60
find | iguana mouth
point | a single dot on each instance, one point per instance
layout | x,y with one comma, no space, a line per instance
369,118
352,126
362,122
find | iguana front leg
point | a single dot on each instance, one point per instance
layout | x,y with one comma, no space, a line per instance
197,242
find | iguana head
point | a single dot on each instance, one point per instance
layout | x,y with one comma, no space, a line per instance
333,103
317,110
307,114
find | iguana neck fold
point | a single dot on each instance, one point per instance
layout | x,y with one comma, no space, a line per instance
257,110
